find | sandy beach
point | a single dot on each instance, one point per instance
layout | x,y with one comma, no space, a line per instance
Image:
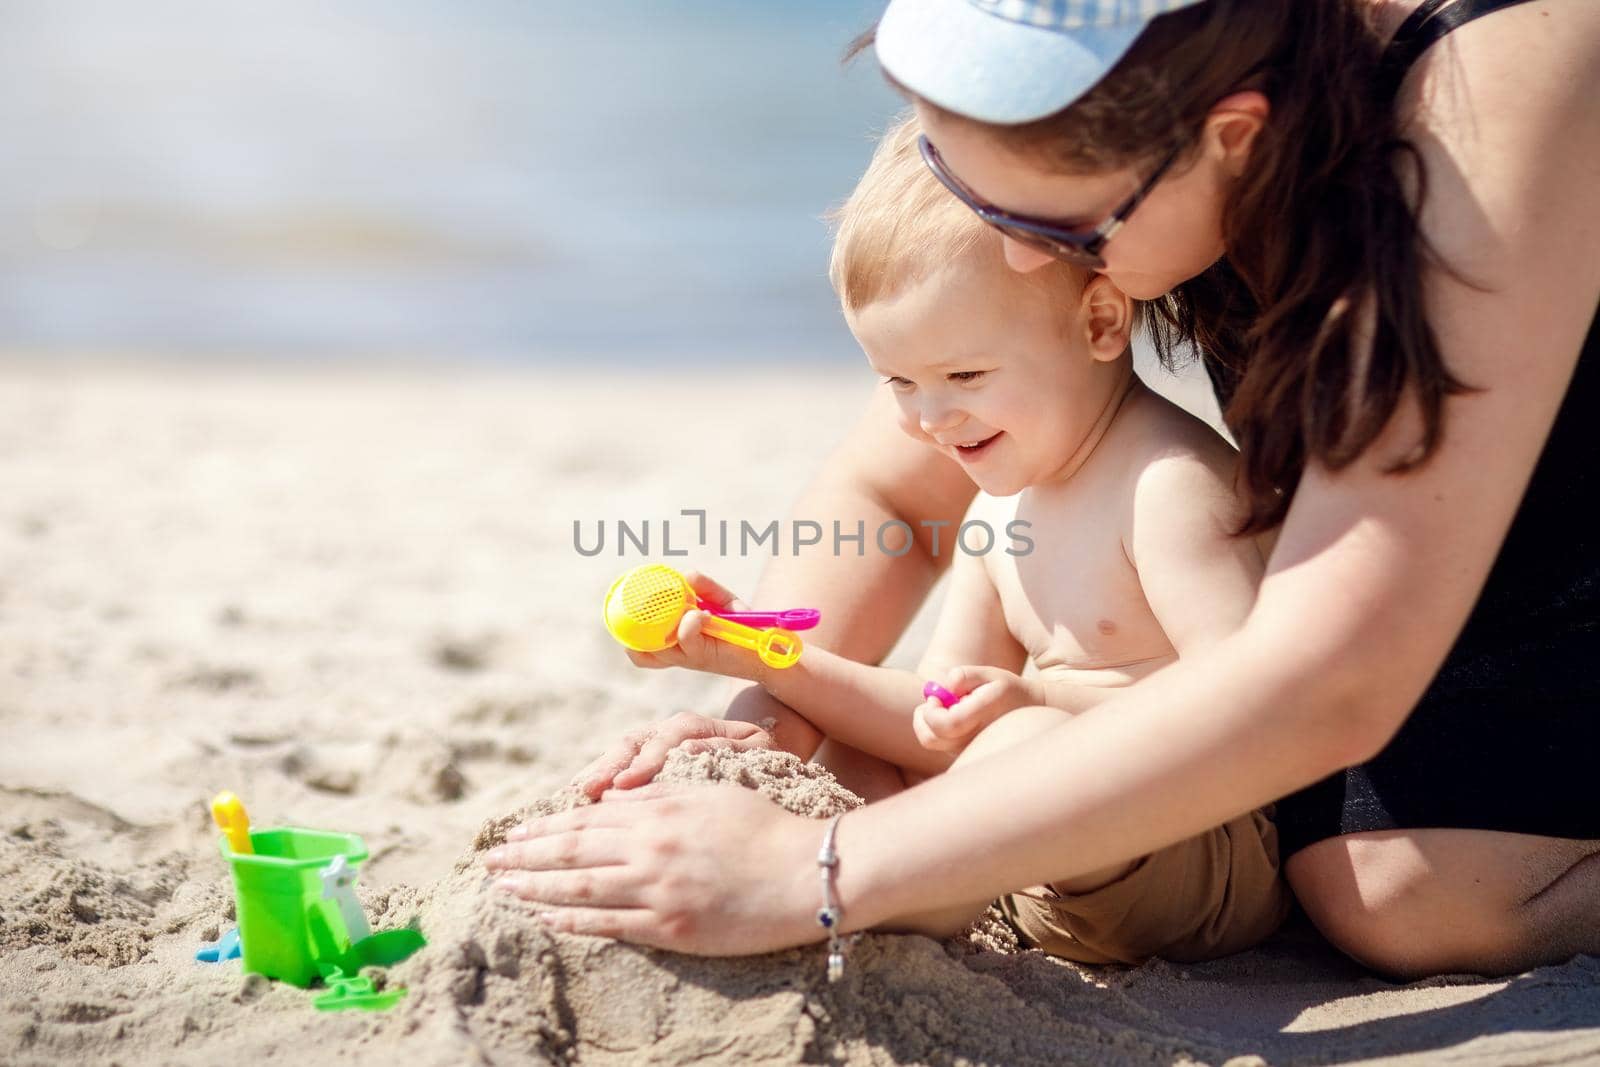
352,596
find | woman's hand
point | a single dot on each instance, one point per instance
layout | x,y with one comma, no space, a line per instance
986,694
640,755
711,870
698,652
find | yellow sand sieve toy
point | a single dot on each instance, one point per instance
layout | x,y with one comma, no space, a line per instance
644,606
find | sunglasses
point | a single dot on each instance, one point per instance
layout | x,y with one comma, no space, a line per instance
1077,246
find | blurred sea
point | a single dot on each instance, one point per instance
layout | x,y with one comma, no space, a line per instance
517,180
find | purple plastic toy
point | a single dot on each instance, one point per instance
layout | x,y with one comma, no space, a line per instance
940,693
793,619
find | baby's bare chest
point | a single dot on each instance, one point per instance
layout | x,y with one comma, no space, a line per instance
1075,600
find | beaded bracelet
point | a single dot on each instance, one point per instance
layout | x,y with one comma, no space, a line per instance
830,914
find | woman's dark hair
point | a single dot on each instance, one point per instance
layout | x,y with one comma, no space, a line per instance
1313,327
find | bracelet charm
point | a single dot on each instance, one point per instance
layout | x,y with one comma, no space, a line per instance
830,914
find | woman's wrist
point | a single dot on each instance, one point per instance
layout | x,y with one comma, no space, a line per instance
798,898
858,880
816,903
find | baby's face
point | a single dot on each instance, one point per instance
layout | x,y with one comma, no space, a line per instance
990,369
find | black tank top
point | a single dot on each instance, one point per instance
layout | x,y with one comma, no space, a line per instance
1546,581
1505,737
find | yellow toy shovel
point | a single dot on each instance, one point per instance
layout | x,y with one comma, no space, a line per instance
230,817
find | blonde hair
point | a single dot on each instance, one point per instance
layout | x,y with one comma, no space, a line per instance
900,225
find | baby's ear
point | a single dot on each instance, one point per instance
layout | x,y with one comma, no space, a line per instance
1107,318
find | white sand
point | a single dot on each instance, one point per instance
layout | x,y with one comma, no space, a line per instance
353,598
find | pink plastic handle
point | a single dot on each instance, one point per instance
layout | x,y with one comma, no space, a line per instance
941,694
793,619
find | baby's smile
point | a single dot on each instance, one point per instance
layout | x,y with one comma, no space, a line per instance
970,453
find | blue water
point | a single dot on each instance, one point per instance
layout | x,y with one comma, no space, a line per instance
503,179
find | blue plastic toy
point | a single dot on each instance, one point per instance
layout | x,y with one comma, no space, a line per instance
224,948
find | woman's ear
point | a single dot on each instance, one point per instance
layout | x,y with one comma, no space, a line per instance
1107,318
1231,127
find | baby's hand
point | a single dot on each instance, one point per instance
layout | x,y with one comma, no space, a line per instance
694,649
986,694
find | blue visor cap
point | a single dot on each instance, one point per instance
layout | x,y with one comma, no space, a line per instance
1009,61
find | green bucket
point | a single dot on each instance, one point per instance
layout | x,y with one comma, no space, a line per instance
285,927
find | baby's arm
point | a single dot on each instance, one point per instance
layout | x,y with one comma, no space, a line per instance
1199,580
870,708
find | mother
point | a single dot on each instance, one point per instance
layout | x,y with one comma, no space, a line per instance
1384,244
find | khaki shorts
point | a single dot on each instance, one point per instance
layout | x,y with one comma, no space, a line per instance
1209,896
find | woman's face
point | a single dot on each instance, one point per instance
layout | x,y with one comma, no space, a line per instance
1173,235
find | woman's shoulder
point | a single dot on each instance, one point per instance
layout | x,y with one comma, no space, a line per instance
1547,48
1503,113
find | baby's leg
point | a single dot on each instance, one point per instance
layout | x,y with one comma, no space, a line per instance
867,776
1205,897
1009,730
791,731
1018,726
